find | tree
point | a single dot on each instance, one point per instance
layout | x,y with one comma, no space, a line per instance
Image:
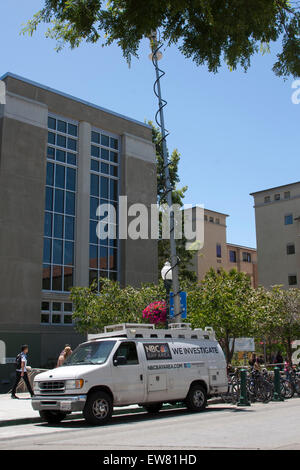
115,304
207,31
227,302
280,317
185,256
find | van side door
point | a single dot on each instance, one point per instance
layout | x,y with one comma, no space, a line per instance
128,381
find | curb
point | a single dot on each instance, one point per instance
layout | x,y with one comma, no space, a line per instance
19,421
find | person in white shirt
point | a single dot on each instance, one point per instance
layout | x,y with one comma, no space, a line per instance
21,371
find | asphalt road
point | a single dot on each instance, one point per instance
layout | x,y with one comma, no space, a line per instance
261,426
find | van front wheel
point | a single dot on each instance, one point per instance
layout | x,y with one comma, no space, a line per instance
196,399
98,408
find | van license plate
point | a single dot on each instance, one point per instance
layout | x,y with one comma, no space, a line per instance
65,405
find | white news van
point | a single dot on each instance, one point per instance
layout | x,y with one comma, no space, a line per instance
133,364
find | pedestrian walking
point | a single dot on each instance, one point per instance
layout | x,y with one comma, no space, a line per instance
66,352
279,360
21,371
252,360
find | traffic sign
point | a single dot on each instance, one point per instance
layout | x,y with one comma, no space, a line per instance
183,304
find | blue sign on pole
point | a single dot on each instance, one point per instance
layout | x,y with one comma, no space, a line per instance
183,305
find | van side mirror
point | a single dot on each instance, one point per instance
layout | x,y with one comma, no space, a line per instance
120,361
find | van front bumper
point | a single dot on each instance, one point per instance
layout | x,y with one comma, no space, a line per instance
67,403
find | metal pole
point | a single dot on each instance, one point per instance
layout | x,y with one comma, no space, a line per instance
243,401
174,259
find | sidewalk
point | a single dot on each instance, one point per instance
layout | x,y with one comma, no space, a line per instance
13,412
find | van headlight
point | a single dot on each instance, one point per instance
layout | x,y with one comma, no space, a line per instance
36,385
74,384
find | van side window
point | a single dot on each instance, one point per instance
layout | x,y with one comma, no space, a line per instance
129,351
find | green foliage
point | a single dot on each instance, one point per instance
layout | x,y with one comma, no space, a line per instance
207,31
279,316
227,302
115,304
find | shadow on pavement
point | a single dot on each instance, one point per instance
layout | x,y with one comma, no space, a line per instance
140,416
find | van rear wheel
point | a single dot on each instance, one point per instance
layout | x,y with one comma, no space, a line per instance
52,417
153,408
98,408
196,399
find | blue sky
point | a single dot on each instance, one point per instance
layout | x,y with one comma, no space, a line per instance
237,133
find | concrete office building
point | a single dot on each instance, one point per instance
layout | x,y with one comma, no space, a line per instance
59,158
217,253
277,216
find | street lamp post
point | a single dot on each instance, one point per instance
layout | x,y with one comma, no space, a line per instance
166,274
155,57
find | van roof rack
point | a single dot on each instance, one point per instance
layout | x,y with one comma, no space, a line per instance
148,331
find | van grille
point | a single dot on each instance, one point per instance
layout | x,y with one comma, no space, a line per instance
52,387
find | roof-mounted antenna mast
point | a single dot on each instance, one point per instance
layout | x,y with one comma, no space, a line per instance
155,56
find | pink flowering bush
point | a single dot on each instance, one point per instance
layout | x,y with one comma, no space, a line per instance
156,312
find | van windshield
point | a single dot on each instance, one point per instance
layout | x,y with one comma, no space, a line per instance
90,353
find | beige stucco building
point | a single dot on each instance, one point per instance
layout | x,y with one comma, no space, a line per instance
277,216
217,253
60,157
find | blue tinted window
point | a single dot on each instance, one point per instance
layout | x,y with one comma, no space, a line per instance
71,158
104,154
49,199
232,256
72,144
104,187
50,174
113,143
288,219
93,234
59,221
61,140
94,203
58,226
61,155
94,165
113,170
104,168
59,201
103,257
112,258
57,251
51,123
70,203
51,138
219,251
48,224
113,189
69,253
93,256
68,281
94,185
96,137
104,140
47,250
59,176
62,126
50,152
71,179
72,130
114,157
69,228
95,151
57,278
